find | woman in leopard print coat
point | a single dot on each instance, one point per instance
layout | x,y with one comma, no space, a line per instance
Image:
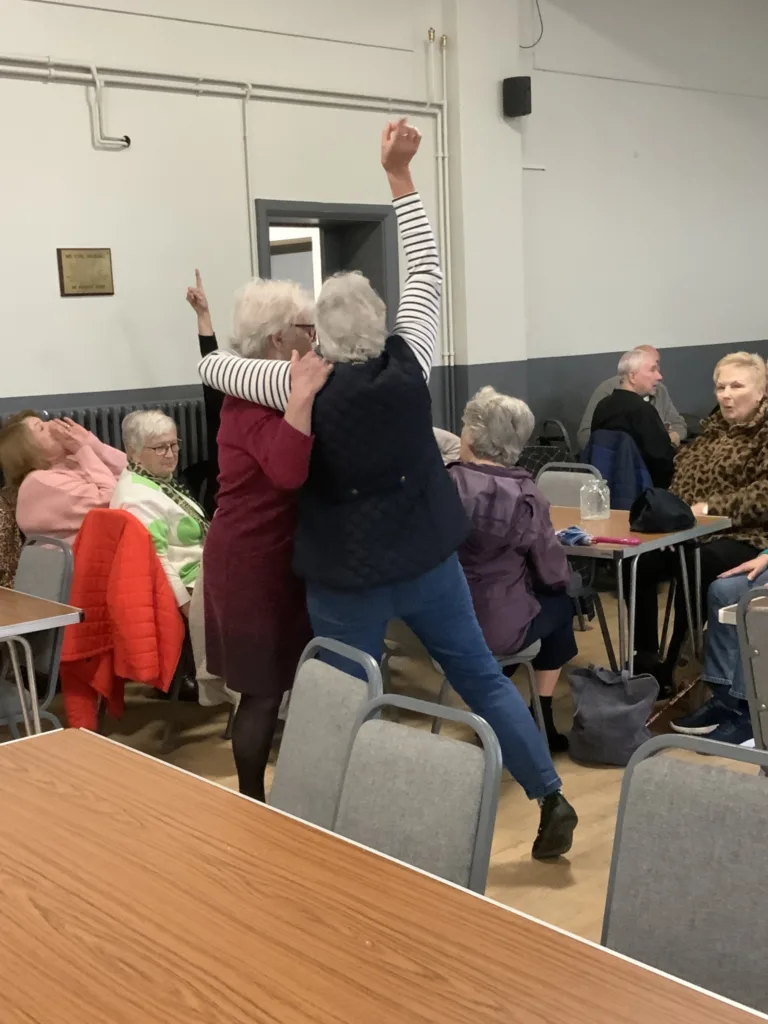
724,472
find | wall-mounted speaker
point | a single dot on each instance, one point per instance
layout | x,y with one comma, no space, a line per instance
516,96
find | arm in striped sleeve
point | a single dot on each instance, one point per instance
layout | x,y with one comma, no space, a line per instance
263,381
418,318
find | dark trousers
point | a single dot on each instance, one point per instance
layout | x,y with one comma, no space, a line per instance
438,608
554,627
662,566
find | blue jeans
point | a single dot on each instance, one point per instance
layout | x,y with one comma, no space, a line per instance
438,608
722,660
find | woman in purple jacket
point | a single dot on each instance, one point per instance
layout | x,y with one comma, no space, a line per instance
515,566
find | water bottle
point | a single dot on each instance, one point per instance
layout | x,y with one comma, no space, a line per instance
595,499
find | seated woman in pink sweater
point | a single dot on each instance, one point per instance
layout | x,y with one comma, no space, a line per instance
61,470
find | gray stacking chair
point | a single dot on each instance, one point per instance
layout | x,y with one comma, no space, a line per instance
424,799
324,703
45,570
752,626
561,482
686,892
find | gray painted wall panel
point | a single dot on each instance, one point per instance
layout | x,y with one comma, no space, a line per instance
555,388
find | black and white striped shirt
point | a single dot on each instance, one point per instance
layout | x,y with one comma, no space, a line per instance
268,381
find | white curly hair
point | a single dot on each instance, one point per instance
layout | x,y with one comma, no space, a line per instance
351,319
144,425
497,427
264,308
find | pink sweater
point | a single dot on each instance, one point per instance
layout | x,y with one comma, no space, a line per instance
56,501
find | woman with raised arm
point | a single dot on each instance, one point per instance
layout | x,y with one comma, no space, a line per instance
379,519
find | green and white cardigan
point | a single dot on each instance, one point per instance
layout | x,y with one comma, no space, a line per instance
175,522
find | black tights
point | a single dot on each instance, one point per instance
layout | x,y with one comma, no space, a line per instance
252,732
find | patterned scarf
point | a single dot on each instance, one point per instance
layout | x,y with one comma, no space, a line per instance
177,492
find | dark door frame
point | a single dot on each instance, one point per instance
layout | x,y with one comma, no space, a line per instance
287,213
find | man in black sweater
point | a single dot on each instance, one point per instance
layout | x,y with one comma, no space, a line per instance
626,409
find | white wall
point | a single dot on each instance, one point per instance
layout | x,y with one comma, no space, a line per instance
649,223
176,198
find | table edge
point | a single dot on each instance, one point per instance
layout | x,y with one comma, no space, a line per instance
40,625
420,871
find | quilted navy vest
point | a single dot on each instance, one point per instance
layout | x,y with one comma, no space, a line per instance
378,506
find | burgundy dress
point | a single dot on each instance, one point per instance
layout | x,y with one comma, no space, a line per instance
256,622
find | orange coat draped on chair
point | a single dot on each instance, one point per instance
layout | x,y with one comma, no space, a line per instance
132,629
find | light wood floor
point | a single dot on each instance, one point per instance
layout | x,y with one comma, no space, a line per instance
569,893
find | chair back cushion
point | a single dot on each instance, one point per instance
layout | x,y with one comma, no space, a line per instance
414,796
313,751
562,486
689,889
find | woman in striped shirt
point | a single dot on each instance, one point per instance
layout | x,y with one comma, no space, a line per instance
379,519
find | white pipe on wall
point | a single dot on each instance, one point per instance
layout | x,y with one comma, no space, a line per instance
50,69
248,190
450,353
100,139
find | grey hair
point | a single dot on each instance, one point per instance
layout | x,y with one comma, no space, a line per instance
631,361
264,308
142,425
351,319
498,426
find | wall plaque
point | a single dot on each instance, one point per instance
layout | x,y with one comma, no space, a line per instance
85,272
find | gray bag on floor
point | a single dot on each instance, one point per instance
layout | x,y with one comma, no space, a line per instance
610,711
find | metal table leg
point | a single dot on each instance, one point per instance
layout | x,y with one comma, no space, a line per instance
667,617
31,682
620,595
687,593
632,610
698,642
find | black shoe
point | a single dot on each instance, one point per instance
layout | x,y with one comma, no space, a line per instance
555,835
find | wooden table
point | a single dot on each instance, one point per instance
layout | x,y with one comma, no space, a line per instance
617,525
21,614
136,893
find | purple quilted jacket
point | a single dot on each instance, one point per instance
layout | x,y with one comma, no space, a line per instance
511,551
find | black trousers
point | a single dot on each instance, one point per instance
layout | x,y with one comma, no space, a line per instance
554,627
660,567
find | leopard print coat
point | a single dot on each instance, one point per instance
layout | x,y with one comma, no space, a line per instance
728,468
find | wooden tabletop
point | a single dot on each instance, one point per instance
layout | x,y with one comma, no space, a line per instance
22,613
617,525
135,893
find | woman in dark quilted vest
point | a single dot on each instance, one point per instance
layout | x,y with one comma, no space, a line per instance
724,472
379,518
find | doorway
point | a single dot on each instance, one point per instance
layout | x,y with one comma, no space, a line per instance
308,242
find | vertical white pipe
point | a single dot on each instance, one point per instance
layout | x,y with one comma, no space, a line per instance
100,140
248,188
448,266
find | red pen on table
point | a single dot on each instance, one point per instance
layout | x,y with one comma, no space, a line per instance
622,541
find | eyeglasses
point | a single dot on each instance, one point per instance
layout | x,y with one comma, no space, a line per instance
171,448
309,328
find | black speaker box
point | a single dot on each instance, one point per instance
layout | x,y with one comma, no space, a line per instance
516,96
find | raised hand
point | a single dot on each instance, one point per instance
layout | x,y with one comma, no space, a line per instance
70,435
400,143
196,296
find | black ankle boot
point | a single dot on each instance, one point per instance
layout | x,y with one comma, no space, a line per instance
555,835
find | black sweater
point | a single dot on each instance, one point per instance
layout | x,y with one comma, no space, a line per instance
629,412
213,401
